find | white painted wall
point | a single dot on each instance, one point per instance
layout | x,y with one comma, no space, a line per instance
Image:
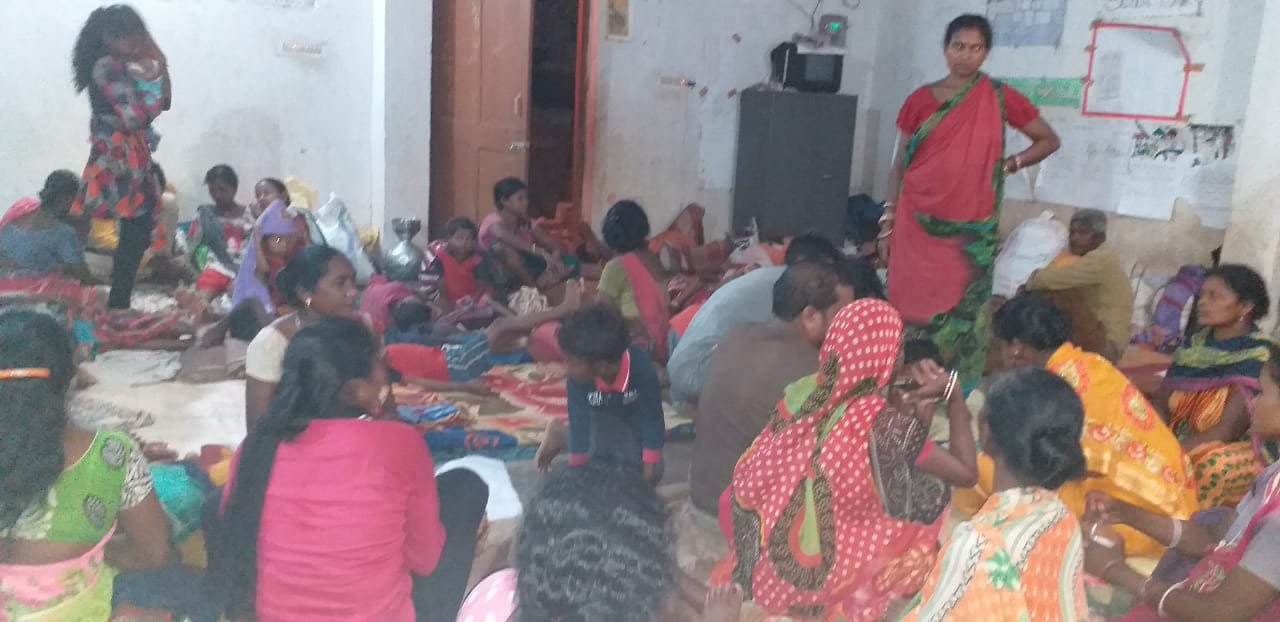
653,142
1253,236
405,184
237,99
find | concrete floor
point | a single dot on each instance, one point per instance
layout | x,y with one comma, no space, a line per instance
187,416
526,479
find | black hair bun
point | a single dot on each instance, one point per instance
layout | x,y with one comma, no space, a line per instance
1055,457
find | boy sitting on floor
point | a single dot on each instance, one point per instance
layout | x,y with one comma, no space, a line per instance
615,401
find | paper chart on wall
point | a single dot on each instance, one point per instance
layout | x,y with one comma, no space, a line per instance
1136,72
1086,171
1133,168
1208,186
1150,189
1019,23
1062,92
1129,9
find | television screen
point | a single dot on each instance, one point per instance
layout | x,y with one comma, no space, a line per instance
820,67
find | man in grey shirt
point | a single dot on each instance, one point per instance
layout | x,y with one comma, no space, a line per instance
746,299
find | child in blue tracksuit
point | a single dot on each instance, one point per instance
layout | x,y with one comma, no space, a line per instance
615,400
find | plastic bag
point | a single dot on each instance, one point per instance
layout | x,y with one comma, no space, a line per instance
749,250
338,231
1031,247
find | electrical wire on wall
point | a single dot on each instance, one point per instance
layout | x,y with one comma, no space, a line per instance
813,14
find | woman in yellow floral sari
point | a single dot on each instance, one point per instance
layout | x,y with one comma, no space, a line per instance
1130,453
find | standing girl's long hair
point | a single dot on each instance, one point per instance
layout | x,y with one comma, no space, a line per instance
108,22
36,369
319,362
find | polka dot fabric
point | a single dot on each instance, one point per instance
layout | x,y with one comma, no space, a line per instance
820,537
492,600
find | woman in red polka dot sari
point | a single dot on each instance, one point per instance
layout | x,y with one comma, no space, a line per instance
811,538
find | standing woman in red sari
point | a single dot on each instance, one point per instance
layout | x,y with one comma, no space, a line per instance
127,78
945,189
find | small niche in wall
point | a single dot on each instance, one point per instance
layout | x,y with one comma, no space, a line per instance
619,16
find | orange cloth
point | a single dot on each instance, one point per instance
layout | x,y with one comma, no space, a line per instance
1129,452
1019,558
680,321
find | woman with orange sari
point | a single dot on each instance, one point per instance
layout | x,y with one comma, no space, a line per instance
945,188
634,280
1129,453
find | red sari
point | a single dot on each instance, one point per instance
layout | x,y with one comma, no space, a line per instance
651,302
810,537
944,237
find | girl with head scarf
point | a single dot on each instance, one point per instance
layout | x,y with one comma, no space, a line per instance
274,242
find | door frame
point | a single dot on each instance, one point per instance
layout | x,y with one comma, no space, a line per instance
584,108
582,166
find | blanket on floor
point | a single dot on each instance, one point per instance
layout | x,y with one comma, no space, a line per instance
507,425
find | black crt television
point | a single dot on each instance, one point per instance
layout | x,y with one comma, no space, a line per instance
810,72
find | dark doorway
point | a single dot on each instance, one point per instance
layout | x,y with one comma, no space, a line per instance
557,49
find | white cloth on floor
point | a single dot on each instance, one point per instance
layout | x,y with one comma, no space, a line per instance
504,503
153,302
92,412
135,368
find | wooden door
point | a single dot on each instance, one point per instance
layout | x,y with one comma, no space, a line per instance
480,101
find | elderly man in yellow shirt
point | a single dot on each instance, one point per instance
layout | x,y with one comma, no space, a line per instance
1094,276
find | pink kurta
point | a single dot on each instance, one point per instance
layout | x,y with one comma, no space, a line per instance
350,511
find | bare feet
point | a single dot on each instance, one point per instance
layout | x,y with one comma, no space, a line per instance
724,604
554,440
159,452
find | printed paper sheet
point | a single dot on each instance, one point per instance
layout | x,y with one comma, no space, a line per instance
1019,23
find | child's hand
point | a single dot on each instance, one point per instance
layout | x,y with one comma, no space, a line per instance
554,440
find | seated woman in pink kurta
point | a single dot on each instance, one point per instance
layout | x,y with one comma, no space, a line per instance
330,515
